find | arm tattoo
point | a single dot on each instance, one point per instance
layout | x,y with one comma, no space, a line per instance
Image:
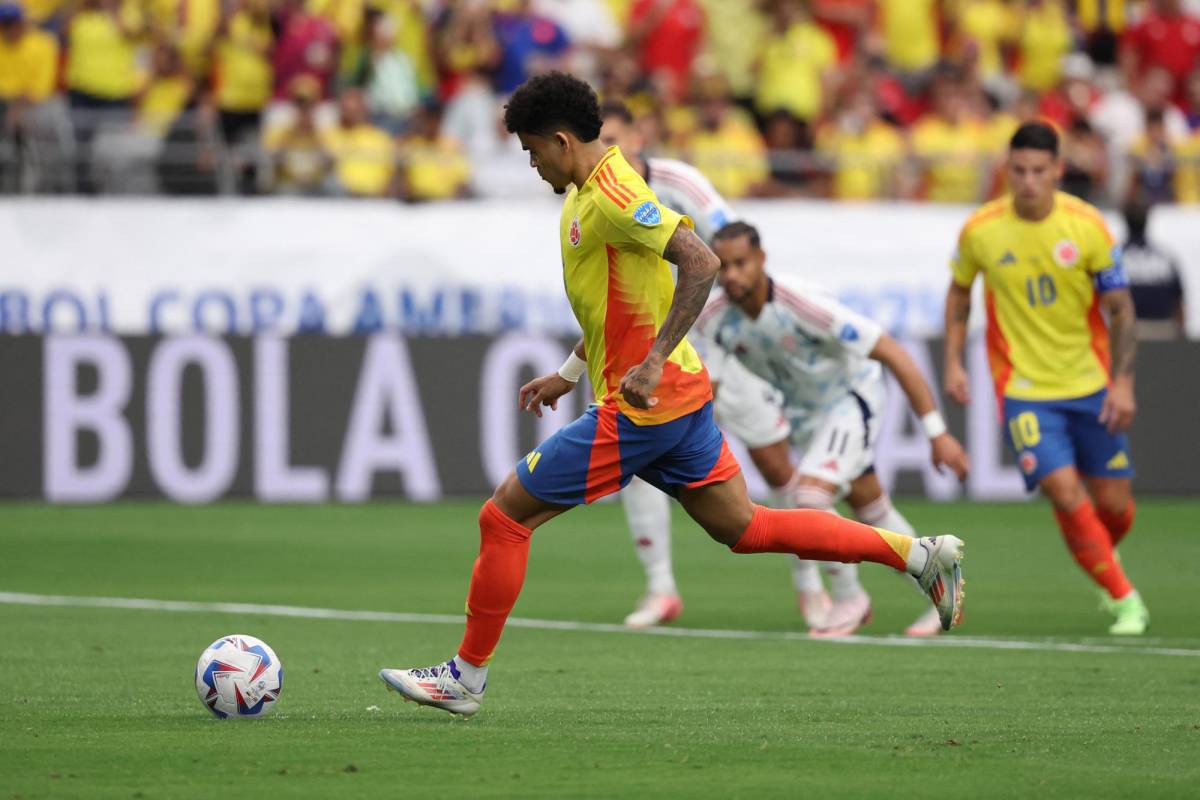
697,269
1122,331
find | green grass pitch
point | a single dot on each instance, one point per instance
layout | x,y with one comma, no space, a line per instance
100,702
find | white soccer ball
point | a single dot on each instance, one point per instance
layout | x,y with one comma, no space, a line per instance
239,676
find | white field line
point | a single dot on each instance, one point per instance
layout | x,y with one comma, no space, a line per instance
304,612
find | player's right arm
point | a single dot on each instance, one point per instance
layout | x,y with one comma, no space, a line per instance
958,310
546,390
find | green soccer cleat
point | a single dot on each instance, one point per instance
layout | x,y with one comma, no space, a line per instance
1133,618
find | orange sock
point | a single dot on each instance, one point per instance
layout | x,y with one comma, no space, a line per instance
821,536
1088,540
1118,524
495,582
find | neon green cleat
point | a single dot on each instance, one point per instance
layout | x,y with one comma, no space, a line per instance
1133,618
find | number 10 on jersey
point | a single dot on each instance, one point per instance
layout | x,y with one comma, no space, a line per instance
1041,291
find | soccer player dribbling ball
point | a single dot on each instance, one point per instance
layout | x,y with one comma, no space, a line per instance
1064,380
653,411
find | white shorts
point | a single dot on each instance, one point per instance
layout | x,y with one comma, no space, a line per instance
839,446
749,408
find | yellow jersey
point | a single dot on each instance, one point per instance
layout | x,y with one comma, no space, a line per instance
364,158
1046,337
613,232
101,57
29,66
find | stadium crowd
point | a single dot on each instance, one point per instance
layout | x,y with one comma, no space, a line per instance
849,99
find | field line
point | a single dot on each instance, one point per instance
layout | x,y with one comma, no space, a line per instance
305,612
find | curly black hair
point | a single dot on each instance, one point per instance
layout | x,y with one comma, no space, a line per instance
554,102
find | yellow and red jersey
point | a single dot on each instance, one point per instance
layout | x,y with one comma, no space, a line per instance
1046,337
613,232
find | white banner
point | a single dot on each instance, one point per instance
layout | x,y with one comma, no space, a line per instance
293,266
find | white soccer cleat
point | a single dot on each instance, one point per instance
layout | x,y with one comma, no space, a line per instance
941,577
655,609
814,607
435,686
846,616
928,624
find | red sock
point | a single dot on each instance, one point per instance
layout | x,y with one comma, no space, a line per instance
821,536
1088,540
495,582
1118,524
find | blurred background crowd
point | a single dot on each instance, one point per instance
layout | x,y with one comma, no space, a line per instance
846,99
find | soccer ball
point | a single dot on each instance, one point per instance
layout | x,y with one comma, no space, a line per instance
239,676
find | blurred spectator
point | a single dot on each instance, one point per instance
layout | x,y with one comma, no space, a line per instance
789,142
1167,37
466,44
981,29
734,34
101,73
1074,97
363,155
864,152
45,14
434,165
189,26
911,40
413,38
1154,278
950,147
1187,175
35,132
307,44
387,75
299,163
666,35
243,79
795,70
1085,161
847,21
1043,39
590,27
1191,106
166,94
529,44
726,146
1120,117
1152,162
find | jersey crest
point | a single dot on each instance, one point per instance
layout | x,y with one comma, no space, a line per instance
573,235
648,214
1066,253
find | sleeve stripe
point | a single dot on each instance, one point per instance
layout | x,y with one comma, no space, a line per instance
686,188
710,311
686,183
602,182
616,184
805,309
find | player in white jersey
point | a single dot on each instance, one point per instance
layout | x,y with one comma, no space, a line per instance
827,361
746,406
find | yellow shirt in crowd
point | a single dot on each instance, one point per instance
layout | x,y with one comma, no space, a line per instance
190,25
954,154
1187,171
101,58
790,71
910,33
435,170
864,162
1045,38
28,67
733,156
243,72
162,102
364,158
987,23
734,36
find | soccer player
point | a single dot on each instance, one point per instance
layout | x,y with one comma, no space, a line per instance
750,409
653,412
826,360
1064,380
746,406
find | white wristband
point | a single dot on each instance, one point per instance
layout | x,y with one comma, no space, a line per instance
573,368
933,424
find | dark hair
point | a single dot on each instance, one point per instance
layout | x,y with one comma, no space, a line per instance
1155,116
1035,136
554,102
615,108
735,230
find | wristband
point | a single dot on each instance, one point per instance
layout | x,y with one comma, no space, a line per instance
933,424
573,368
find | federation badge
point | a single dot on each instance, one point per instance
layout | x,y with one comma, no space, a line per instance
1028,462
648,214
573,235
1066,253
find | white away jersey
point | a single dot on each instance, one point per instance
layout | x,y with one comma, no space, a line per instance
804,343
683,188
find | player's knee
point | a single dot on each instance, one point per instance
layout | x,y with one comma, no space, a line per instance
729,528
815,494
1064,489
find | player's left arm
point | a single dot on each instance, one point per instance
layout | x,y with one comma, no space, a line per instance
947,450
1119,404
697,268
1112,284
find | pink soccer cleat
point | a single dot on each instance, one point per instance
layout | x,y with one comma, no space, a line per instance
655,609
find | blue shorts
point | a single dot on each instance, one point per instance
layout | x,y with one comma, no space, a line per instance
601,451
1049,434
